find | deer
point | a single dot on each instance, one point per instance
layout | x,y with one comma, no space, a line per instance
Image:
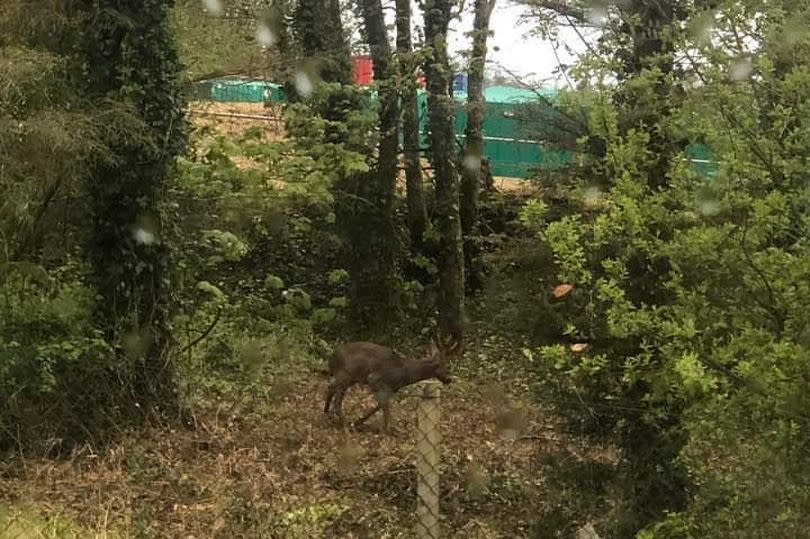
384,372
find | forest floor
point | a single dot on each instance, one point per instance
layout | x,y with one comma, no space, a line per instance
277,469
273,467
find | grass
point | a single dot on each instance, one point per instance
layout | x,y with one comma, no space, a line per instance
20,523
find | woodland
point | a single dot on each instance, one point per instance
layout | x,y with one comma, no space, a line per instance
630,333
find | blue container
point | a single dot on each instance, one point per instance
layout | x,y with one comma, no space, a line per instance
460,82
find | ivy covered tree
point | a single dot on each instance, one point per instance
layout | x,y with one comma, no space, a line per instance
130,61
319,38
437,14
373,239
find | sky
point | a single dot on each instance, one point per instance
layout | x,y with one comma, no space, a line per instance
512,47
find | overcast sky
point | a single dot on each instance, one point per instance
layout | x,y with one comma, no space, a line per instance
511,47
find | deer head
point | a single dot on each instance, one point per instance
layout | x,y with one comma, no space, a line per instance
439,354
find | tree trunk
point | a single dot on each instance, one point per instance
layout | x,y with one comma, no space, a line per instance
417,211
443,154
319,36
373,238
472,166
132,62
649,34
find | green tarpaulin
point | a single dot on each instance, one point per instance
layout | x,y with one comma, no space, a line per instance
509,152
245,91
508,141
237,91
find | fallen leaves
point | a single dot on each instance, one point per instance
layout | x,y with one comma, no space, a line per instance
562,290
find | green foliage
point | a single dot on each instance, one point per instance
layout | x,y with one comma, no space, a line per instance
63,377
224,246
50,351
689,291
25,522
534,214
310,521
210,46
273,282
49,139
260,260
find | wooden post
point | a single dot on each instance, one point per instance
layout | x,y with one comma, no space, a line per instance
427,463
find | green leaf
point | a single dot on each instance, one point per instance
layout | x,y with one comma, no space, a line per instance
273,282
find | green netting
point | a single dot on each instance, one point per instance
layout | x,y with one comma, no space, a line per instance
245,91
702,158
508,136
506,145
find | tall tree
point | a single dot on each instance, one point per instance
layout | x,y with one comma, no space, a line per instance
637,46
472,165
417,211
319,36
437,14
373,234
645,45
131,62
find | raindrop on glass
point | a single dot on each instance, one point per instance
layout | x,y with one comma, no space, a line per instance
472,163
707,202
592,195
303,83
701,27
597,15
477,479
741,69
708,207
265,35
214,6
143,236
350,455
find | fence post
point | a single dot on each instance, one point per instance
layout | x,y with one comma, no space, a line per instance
427,463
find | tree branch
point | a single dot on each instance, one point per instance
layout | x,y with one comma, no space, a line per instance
561,8
204,334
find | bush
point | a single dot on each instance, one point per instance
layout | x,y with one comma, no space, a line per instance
57,378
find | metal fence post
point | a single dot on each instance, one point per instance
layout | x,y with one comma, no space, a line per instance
427,463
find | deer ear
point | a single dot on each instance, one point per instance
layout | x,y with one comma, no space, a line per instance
451,348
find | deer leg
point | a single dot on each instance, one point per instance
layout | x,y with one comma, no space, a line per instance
383,397
330,393
385,403
334,396
338,404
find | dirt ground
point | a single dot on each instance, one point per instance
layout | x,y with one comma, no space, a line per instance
276,468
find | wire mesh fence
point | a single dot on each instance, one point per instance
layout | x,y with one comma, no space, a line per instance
428,442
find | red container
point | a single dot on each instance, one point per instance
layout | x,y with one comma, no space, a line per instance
363,70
